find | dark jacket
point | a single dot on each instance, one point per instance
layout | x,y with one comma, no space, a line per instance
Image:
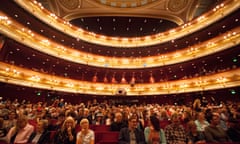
44,138
124,136
61,137
117,126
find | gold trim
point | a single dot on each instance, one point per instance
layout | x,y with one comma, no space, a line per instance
24,77
52,20
42,44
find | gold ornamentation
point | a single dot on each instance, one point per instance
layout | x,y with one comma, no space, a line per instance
176,5
69,4
125,3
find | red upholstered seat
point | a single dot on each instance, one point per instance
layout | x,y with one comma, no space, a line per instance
33,123
52,134
107,137
101,128
164,123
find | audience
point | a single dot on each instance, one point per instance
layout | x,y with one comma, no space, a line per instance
86,135
131,134
214,132
3,131
234,129
193,135
55,124
21,132
62,119
41,135
10,121
175,132
201,122
67,133
153,133
118,124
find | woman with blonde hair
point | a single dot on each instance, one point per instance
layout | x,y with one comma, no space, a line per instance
21,132
86,135
67,133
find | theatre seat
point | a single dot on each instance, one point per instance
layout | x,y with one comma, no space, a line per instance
52,134
100,127
164,123
107,137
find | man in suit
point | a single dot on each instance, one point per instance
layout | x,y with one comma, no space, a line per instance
131,134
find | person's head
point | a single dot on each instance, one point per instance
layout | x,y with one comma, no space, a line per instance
191,127
61,117
214,119
69,122
175,118
132,122
118,117
85,112
12,115
201,116
233,123
84,123
155,123
21,122
42,125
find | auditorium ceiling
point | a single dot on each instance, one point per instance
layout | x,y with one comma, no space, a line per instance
120,47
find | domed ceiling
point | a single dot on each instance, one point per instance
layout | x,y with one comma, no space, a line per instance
144,47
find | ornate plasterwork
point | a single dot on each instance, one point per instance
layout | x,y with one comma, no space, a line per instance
125,3
177,5
69,4
176,11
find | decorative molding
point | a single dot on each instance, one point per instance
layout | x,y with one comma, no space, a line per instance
25,77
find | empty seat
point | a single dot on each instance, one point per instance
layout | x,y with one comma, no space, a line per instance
101,128
107,137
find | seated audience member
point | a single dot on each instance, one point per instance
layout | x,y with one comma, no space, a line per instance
118,123
21,132
194,136
110,118
55,124
175,132
10,121
67,133
87,114
153,133
131,134
234,130
3,131
42,135
214,132
201,122
86,135
140,124
100,119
